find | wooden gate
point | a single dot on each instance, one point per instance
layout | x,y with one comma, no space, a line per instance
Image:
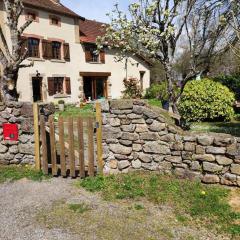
69,147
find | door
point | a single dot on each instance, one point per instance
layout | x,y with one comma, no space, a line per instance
37,89
95,88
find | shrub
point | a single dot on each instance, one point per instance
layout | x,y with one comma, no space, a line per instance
206,100
158,91
132,88
232,82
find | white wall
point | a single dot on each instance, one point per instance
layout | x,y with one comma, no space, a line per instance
48,68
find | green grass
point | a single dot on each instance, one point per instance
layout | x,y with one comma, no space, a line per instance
204,204
232,128
14,173
72,111
79,207
155,102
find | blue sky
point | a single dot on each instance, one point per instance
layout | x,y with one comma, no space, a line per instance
95,9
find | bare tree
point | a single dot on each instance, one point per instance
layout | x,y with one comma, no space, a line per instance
11,58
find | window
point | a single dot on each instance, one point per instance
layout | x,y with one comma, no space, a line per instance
59,85
54,20
56,50
33,47
92,55
32,15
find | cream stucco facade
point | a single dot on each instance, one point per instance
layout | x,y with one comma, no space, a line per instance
68,32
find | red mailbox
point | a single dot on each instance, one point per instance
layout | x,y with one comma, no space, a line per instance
10,132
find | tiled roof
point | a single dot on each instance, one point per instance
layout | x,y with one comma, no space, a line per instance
90,30
51,6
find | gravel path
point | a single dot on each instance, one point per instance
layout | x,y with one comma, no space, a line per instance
19,203
22,201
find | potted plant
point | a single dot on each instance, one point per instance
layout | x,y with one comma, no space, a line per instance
61,105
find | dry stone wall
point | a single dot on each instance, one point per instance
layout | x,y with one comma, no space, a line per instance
136,137
21,151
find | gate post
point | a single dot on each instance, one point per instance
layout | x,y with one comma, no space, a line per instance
36,137
99,138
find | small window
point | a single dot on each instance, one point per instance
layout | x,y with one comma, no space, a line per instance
30,15
54,20
56,50
33,47
59,85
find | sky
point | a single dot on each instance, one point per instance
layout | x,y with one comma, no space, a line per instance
95,9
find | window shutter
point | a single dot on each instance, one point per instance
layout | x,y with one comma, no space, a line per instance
47,49
68,85
51,91
24,45
66,51
102,57
88,56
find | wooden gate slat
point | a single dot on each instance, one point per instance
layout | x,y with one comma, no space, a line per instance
99,138
53,146
90,147
71,147
81,147
62,147
44,145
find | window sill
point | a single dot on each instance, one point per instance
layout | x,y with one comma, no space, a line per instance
57,61
59,95
95,62
35,59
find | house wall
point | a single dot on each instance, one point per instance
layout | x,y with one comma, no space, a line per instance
50,68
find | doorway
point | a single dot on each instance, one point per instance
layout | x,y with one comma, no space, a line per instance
95,87
37,89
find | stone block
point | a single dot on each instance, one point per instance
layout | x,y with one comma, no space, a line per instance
149,136
189,146
210,178
138,121
3,148
173,159
195,166
150,113
168,138
134,116
130,136
140,128
189,138
235,168
187,155
136,164
27,148
145,158
121,104
216,150
223,160
128,128
157,126
123,164
137,147
119,149
115,122
113,164
212,167
155,147
13,149
223,141
138,109
204,157
110,132
200,149
205,140
126,142
158,158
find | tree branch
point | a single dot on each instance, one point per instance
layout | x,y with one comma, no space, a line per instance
24,26
26,65
2,37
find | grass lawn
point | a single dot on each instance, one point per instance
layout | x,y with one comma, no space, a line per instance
14,173
155,102
192,202
218,127
72,111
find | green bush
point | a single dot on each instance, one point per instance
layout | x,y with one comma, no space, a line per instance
232,82
158,91
206,100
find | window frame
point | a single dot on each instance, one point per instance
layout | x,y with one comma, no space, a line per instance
34,49
54,54
29,12
54,17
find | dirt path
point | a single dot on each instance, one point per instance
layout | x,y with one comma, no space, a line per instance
40,211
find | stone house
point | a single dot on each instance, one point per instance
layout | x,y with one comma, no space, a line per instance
61,44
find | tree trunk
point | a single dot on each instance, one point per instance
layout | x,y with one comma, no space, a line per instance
170,88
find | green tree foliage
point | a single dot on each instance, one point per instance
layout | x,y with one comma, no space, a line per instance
158,91
232,82
206,100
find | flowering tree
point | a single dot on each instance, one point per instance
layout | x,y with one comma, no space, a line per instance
155,29
11,60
